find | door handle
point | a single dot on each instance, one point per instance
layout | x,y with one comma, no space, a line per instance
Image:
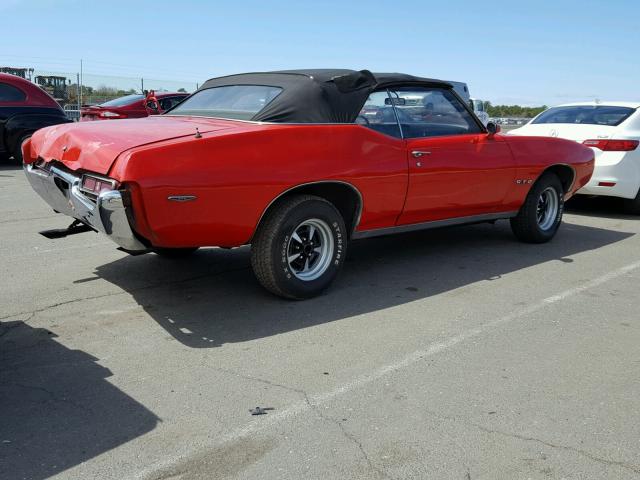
420,153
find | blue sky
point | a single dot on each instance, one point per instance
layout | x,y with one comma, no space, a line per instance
514,51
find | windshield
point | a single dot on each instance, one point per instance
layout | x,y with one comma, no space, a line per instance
238,102
122,101
586,114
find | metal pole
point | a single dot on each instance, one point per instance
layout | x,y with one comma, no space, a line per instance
142,86
78,92
81,80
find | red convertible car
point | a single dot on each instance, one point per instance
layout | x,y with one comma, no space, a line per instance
297,164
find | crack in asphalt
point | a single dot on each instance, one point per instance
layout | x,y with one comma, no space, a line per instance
315,408
124,292
591,456
384,474
59,304
349,436
595,458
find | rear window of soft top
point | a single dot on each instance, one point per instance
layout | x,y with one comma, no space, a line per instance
236,102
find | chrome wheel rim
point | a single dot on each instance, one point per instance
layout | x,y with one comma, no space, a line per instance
547,209
310,249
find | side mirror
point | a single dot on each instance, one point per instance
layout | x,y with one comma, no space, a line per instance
493,128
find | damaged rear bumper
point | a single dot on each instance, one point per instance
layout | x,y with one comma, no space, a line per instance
106,213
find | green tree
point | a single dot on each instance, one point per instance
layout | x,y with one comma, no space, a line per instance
513,110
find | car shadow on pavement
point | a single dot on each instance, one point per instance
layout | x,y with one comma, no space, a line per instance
603,207
212,298
57,409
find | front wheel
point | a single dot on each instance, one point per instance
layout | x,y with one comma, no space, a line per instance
539,217
299,247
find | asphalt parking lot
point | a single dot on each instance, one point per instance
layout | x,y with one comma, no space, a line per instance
457,353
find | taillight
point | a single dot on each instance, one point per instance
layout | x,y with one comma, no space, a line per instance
109,114
96,185
612,145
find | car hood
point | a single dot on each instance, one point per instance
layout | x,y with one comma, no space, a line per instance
94,146
570,131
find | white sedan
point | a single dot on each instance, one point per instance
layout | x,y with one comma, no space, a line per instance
612,129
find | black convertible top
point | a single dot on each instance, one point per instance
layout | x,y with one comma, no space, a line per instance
321,95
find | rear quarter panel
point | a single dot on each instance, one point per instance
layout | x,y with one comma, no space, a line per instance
235,175
534,155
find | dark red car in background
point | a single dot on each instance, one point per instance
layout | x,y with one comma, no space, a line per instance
24,108
132,106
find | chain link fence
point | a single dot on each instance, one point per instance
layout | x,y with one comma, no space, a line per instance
75,89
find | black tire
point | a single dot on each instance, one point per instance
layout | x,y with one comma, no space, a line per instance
632,205
17,151
319,258
174,252
527,225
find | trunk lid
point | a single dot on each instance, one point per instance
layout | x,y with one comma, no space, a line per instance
94,146
571,131
90,112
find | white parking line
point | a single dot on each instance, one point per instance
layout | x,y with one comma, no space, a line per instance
265,422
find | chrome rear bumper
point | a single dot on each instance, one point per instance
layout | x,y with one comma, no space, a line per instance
106,214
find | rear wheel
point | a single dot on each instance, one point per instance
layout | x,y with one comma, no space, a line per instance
299,247
539,217
174,252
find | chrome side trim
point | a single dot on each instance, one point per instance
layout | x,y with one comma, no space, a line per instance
290,189
181,198
448,222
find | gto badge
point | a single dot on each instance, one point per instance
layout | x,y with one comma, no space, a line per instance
524,181
181,198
